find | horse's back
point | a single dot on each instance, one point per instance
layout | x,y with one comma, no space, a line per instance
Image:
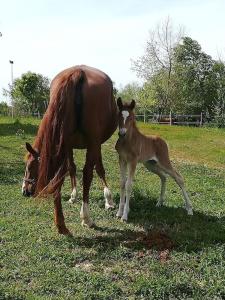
98,110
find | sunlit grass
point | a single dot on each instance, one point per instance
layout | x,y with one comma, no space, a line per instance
113,261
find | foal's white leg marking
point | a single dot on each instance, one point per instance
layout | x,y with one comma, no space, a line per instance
108,198
179,180
128,186
85,215
123,170
73,196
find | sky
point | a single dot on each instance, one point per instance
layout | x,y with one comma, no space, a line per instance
47,36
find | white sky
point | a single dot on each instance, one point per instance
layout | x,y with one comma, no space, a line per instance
47,36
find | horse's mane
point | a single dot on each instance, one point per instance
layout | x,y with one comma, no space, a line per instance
57,125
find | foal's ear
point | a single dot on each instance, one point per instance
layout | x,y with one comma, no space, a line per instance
119,103
132,105
31,150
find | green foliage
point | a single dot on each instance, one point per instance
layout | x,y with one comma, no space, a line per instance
4,109
195,78
30,93
112,261
179,76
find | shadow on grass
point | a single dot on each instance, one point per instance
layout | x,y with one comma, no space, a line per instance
17,127
186,233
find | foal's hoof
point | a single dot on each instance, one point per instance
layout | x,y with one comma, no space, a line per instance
119,215
124,219
190,212
88,223
72,200
109,206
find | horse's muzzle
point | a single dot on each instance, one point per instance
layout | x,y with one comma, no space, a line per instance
26,193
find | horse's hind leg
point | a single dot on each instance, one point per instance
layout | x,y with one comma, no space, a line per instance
154,168
87,179
72,171
101,173
179,180
59,218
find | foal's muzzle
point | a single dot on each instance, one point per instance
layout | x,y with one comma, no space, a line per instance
122,132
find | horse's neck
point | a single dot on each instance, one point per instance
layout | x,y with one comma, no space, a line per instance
133,135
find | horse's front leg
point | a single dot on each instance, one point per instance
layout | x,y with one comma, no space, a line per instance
58,214
87,179
128,187
123,171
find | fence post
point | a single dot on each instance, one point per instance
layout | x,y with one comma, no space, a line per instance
201,120
144,116
170,118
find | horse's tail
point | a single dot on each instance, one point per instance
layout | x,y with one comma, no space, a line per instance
62,118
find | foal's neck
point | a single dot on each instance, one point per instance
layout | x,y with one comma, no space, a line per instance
133,133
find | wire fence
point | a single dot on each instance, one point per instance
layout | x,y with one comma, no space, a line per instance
169,119
172,119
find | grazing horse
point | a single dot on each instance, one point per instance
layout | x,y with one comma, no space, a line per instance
82,114
133,147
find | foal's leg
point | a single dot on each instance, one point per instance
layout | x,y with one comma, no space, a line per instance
123,171
128,186
154,168
87,179
101,173
179,180
72,171
58,216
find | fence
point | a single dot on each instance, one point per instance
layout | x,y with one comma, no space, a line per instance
172,119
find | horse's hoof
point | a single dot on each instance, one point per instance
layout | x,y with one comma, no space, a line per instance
63,230
123,219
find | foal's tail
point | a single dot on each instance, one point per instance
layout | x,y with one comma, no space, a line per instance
60,121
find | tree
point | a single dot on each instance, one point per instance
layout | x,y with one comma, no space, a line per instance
4,109
30,93
156,65
195,78
129,91
219,117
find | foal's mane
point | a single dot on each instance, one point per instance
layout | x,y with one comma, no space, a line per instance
53,134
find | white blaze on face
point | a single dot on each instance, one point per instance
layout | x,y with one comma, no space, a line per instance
125,115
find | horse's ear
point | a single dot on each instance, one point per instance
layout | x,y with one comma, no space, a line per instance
120,103
132,104
31,150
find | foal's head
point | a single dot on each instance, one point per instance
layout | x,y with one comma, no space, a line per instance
31,172
126,116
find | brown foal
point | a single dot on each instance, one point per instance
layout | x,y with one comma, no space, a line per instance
134,147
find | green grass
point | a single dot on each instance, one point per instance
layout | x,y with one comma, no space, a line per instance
117,260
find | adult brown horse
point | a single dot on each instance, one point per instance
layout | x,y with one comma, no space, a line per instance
82,114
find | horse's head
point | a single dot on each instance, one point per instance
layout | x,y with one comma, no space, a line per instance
31,172
126,116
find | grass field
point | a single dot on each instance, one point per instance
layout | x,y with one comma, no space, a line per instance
161,253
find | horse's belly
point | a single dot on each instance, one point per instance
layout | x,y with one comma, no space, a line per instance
78,141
